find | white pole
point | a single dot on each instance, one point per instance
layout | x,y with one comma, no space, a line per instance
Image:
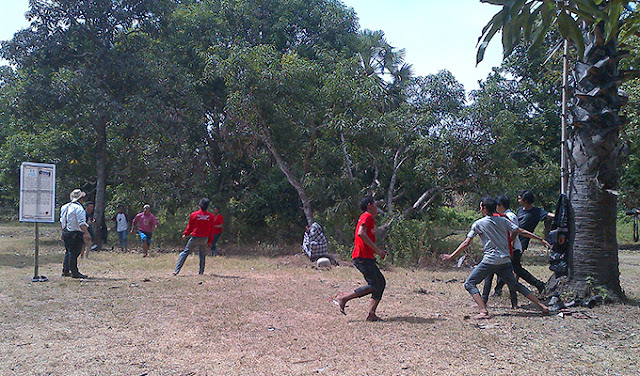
564,153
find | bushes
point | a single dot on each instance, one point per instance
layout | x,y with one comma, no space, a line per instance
418,242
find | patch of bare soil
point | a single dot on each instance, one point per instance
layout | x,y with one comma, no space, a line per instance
251,315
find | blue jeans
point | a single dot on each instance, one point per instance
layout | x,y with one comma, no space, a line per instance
122,238
504,271
194,243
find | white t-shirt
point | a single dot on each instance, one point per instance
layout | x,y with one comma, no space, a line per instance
514,218
121,222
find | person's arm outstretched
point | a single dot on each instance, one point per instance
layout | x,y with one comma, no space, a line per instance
465,243
531,235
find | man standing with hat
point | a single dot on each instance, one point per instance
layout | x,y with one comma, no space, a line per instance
73,221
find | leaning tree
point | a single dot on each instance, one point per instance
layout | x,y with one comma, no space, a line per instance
594,28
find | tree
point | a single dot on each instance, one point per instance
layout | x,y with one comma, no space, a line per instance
91,69
595,148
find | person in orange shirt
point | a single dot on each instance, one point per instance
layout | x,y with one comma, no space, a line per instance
364,260
200,230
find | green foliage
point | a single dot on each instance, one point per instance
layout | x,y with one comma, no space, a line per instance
170,227
417,242
624,229
531,20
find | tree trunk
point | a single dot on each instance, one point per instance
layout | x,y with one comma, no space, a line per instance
306,205
101,180
596,151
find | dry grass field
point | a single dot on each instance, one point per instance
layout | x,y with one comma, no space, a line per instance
253,315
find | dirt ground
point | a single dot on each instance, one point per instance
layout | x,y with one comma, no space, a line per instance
250,315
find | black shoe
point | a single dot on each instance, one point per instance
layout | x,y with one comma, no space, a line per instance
79,275
497,293
540,286
66,274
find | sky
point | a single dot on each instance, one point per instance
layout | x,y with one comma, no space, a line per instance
436,34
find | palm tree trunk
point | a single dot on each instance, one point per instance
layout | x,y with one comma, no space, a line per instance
596,151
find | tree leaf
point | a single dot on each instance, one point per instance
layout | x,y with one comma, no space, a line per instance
546,17
494,2
614,9
496,23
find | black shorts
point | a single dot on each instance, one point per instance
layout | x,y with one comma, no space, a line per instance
372,275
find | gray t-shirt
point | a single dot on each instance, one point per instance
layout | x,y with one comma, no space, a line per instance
494,233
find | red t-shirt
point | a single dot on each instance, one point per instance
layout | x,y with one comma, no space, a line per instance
217,220
360,249
200,225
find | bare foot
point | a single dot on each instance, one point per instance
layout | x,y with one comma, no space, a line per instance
372,318
482,316
341,303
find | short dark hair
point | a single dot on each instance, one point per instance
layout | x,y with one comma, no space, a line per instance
365,201
504,201
489,203
527,195
204,203
90,203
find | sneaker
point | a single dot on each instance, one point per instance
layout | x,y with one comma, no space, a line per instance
79,276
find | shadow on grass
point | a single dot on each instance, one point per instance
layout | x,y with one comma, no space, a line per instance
520,314
629,246
415,320
23,261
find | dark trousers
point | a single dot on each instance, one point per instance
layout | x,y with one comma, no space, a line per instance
373,276
486,291
214,248
522,272
73,242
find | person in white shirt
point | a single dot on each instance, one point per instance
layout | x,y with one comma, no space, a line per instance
122,226
73,222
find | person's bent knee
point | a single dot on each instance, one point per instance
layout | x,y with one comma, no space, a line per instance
377,294
471,288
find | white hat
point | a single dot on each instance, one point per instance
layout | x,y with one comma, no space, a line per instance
76,195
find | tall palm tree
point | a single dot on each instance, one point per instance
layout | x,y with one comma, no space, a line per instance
595,148
386,65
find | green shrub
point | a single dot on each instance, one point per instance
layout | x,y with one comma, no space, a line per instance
419,242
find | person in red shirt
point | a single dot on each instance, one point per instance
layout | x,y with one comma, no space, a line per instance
364,252
218,222
200,228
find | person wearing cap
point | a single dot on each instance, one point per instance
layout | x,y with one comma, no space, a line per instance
73,222
144,223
